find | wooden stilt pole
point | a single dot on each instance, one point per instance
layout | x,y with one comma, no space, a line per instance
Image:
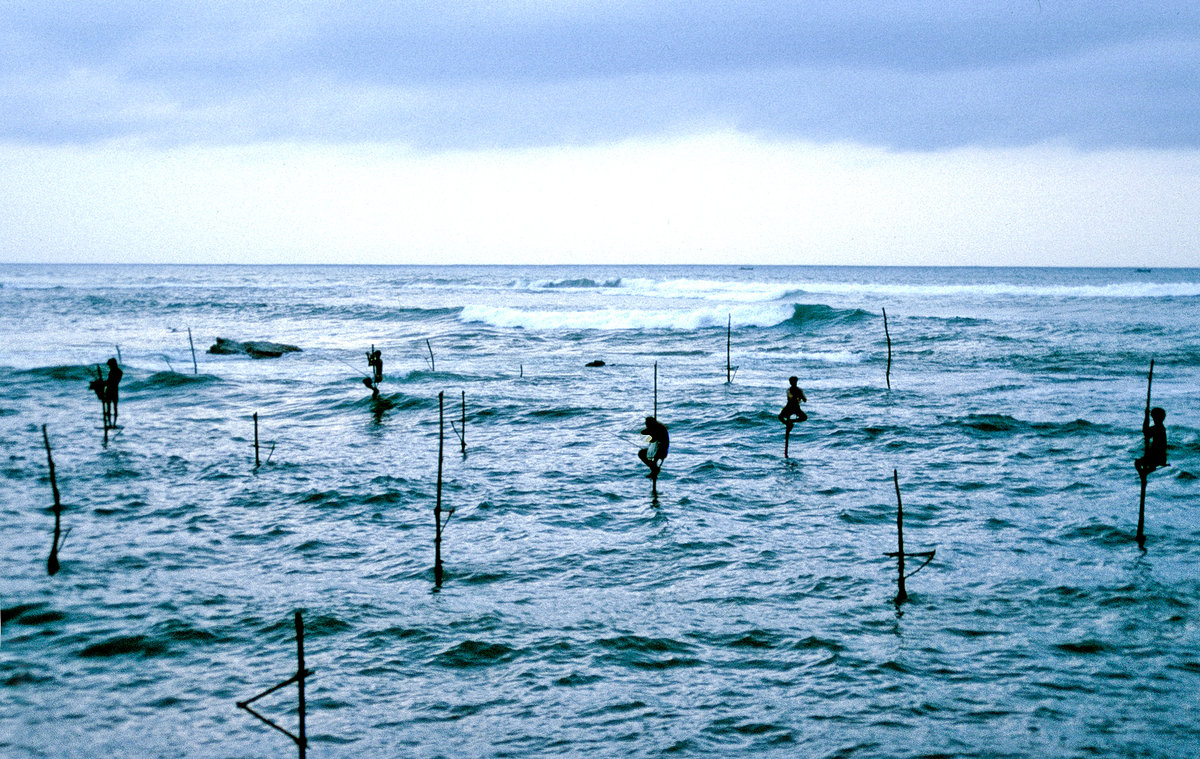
432,365
437,508
888,373
52,562
119,359
787,437
1142,473
901,594
728,348
1141,526
655,389
300,738
463,436
195,367
301,673
256,460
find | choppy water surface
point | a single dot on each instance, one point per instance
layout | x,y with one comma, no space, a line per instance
744,611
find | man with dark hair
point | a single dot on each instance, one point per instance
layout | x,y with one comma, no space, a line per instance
375,361
653,454
792,412
1156,443
111,391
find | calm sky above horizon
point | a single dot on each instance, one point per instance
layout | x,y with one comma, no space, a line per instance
1043,132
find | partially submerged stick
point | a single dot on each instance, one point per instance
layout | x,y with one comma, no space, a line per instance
119,359
300,737
901,594
899,554
256,461
52,562
1143,474
461,433
195,368
728,347
439,525
888,373
432,365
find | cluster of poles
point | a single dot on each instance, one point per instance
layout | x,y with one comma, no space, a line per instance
442,517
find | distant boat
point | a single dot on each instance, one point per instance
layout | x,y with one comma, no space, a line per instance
1142,271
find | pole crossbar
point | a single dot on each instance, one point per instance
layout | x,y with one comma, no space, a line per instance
927,555
269,723
300,736
274,688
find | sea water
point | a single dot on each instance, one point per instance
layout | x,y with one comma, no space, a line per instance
742,608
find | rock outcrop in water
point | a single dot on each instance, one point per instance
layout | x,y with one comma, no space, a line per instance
251,348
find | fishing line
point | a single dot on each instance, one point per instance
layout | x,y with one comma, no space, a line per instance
323,354
622,438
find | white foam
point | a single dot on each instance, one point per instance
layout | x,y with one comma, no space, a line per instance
707,289
745,292
832,357
1114,290
625,319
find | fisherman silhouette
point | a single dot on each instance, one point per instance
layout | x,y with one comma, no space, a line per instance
1155,456
375,361
792,412
654,454
110,392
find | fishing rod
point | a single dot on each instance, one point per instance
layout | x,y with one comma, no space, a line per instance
622,438
323,354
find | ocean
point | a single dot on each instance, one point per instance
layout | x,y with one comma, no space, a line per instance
742,607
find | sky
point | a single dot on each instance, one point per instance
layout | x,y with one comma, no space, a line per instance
909,132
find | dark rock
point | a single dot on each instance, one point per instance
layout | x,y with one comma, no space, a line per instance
597,362
251,348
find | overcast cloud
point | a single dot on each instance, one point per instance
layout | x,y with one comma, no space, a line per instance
542,131
911,74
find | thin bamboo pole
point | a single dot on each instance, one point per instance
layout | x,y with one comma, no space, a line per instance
437,509
728,348
902,594
302,738
195,367
1143,474
888,373
52,562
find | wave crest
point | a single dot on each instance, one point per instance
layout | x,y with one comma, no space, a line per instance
628,318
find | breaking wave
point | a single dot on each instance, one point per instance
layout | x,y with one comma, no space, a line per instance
758,292
628,319
582,282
